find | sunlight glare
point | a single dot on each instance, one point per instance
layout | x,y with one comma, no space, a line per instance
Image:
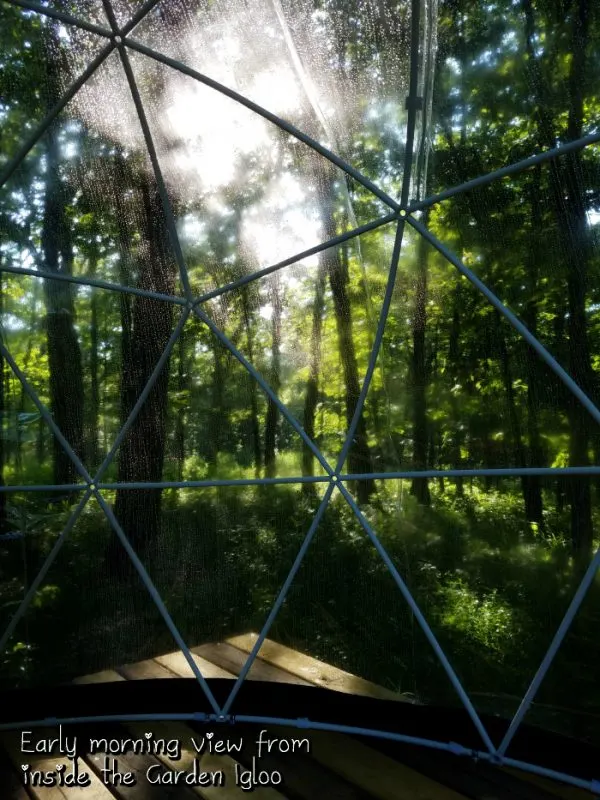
281,223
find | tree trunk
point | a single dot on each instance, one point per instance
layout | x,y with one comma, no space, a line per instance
94,412
531,498
31,325
272,416
141,455
215,434
572,226
40,444
453,359
183,390
532,489
125,238
255,425
359,457
312,387
420,486
3,528
64,355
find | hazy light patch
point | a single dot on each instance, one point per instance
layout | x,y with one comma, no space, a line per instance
27,260
295,278
229,49
105,104
192,229
593,217
215,205
85,291
454,65
212,133
281,224
70,150
13,323
276,91
266,311
217,157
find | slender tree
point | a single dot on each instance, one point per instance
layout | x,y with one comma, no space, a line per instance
312,386
420,486
272,418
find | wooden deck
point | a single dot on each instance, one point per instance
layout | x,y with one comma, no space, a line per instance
337,767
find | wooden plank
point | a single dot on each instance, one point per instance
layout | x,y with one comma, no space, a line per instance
337,785
132,762
176,662
478,780
553,787
138,764
303,776
170,665
338,766
377,774
231,658
96,790
310,669
208,763
145,670
106,676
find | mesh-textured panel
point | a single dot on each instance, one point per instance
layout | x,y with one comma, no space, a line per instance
300,335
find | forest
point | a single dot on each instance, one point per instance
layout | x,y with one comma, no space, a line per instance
182,359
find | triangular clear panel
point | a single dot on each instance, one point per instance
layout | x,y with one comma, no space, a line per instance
245,193
309,329
293,61
32,45
455,385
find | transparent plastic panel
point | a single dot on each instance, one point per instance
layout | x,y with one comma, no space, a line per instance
32,454
511,80
87,622
577,712
154,204
39,334
44,646
345,610
29,525
41,58
133,410
220,424
221,557
88,355
339,75
86,202
456,387
494,590
206,416
309,330
217,556
245,194
533,239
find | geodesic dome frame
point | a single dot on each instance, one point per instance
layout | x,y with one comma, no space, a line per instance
403,211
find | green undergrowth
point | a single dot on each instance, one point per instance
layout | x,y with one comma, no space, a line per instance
492,588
